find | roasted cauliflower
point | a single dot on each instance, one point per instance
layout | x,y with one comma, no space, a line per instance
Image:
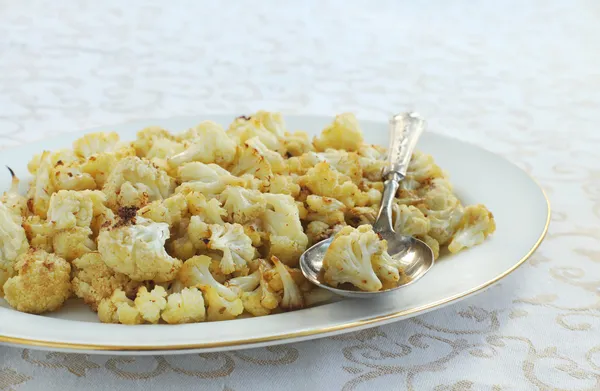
136,248
42,282
209,224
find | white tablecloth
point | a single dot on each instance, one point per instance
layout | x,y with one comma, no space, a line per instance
520,78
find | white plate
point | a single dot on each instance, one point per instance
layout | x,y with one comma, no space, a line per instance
520,207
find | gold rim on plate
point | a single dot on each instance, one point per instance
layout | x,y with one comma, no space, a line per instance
321,332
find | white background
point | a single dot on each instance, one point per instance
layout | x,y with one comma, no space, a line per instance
520,78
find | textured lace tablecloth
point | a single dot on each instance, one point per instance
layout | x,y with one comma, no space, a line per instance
520,78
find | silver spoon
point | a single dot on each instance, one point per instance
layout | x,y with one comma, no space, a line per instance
414,254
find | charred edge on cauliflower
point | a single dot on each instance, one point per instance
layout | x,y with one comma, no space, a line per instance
245,118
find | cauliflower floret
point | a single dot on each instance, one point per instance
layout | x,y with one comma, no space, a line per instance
343,133
223,302
228,238
256,159
62,156
432,243
135,181
13,242
325,209
281,184
287,241
70,176
372,161
210,144
199,270
170,210
297,143
41,187
138,250
101,213
73,243
99,166
220,308
164,149
292,296
244,128
179,244
148,137
422,167
324,181
150,304
271,121
93,143
242,205
476,224
69,209
409,220
39,233
93,280
349,258
210,211
12,199
262,300
186,306
443,210
208,179
244,283
361,215
42,282
317,231
118,308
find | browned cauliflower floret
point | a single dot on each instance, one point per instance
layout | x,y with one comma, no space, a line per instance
70,176
230,239
100,165
210,211
443,210
135,182
148,137
94,281
61,156
73,242
287,240
324,181
102,215
268,127
13,242
208,179
263,299
208,144
297,143
242,205
286,281
70,209
41,187
138,250
39,233
118,308
281,184
93,143
223,302
170,210
476,224
256,159
12,199
343,133
42,282
325,209
409,220
359,256
360,215
186,306
150,304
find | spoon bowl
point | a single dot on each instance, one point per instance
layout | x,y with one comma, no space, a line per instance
411,252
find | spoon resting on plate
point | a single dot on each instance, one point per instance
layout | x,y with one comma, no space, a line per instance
413,254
